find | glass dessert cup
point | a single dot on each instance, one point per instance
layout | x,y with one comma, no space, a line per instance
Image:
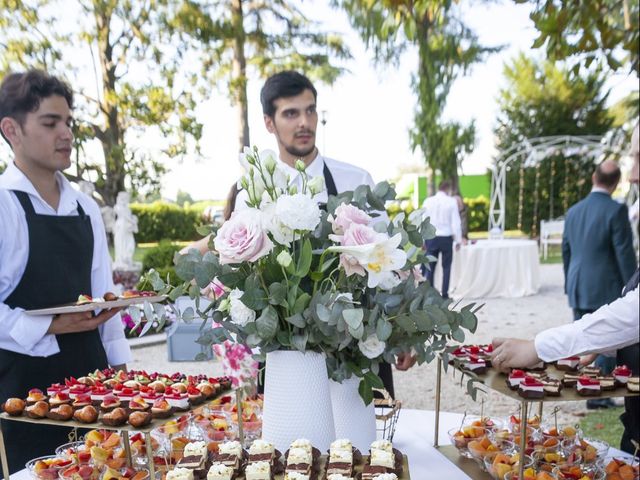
485,448
531,474
592,451
47,467
503,463
77,451
562,432
549,461
460,438
580,472
80,472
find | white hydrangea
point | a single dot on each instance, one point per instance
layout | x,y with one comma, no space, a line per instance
240,314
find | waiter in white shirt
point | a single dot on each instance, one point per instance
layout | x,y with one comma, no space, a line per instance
442,210
52,249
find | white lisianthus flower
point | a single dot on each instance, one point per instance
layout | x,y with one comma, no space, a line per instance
316,185
417,217
389,281
297,212
243,238
377,258
268,158
371,347
280,233
240,314
284,259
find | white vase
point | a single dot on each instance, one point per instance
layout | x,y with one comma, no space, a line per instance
352,418
297,402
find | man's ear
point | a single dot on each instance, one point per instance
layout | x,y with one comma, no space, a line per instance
270,124
9,127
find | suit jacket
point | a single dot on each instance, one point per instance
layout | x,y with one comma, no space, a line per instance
597,251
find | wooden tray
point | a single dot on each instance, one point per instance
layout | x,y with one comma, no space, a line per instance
87,307
497,381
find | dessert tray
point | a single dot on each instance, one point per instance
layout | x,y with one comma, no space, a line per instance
96,305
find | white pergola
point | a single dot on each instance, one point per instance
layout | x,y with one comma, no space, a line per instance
532,151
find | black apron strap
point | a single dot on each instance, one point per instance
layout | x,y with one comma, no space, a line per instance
328,181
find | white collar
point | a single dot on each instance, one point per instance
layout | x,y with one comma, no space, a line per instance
14,179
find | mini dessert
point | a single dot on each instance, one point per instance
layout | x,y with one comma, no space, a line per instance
230,454
114,418
110,297
475,365
591,371
79,389
194,457
299,460
81,400
88,381
300,476
371,472
622,375
219,471
140,419
59,398
538,366
514,379
55,388
569,364
138,404
63,413
86,414
633,384
98,392
110,402
179,474
338,476
552,387
14,406
340,462
261,451
179,387
84,299
149,395
132,384
35,395
158,386
607,382
195,396
207,390
570,379
179,401
37,410
258,471
531,388
588,387
161,408
125,395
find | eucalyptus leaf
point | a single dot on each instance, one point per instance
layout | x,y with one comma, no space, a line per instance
357,332
297,320
374,380
406,323
277,294
365,391
353,317
383,329
458,335
323,313
299,341
301,303
304,260
267,323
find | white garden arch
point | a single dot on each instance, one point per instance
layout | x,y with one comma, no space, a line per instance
532,151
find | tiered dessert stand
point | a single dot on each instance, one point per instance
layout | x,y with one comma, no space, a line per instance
496,381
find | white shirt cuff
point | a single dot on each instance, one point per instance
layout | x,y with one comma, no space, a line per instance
30,332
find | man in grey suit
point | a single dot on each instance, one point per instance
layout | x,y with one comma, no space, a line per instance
597,252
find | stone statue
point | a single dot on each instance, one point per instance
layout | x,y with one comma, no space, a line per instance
126,224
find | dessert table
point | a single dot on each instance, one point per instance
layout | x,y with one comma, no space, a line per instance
494,268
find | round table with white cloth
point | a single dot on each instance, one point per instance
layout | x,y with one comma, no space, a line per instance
493,268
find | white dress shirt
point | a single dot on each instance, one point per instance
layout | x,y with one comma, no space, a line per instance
611,327
345,176
27,334
443,214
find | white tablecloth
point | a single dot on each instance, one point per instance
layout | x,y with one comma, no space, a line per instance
493,268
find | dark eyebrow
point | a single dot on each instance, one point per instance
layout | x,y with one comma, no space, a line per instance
53,116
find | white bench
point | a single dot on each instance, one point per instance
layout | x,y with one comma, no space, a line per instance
550,234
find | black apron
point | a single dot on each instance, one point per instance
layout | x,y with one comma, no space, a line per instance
630,356
58,270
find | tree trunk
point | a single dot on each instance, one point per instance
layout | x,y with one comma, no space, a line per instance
239,74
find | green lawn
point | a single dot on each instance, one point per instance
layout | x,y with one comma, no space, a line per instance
141,249
603,425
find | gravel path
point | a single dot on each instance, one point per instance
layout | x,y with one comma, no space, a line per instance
521,317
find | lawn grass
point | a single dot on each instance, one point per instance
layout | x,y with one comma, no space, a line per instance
142,248
604,425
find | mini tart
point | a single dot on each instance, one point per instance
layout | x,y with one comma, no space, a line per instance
133,384
88,381
588,387
138,404
140,419
207,390
35,395
157,386
195,396
531,388
79,389
98,393
37,410
59,398
179,387
55,388
14,406
81,400
86,414
161,408
109,402
63,413
114,418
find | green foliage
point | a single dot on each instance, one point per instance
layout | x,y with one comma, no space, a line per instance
160,258
477,213
539,100
446,48
589,31
161,220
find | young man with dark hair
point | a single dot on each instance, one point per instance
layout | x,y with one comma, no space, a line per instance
597,252
52,249
442,209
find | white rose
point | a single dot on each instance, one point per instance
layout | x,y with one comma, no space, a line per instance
240,314
371,347
298,212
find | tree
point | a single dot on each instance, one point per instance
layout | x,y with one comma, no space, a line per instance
264,37
446,48
143,78
587,31
542,99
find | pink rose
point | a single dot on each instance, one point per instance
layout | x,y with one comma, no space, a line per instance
346,215
243,238
214,290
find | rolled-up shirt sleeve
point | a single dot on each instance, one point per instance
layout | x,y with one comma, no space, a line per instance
609,328
29,332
